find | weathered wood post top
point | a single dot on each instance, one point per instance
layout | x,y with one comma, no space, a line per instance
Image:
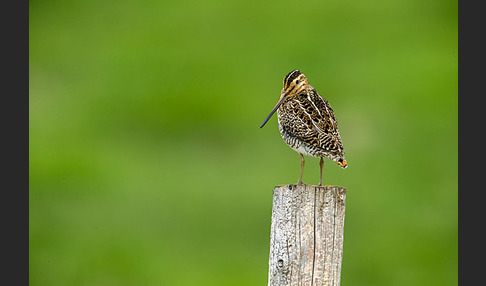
306,240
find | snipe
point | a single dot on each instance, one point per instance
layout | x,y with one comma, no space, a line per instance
307,123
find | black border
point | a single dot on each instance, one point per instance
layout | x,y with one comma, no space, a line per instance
15,139
471,144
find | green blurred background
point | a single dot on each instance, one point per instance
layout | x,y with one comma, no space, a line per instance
148,166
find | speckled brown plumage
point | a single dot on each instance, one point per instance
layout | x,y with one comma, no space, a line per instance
307,122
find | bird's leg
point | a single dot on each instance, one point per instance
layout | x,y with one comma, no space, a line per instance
321,164
302,161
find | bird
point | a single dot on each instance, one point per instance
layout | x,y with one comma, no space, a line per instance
307,123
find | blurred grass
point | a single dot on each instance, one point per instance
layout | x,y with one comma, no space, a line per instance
147,166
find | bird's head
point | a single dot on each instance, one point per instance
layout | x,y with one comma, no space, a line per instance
294,82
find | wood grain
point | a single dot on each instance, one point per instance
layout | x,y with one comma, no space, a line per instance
306,240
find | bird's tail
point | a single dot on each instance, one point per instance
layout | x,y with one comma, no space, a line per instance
342,162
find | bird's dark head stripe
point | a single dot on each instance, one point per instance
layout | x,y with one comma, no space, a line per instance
290,77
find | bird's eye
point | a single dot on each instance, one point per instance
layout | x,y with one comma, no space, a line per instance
296,82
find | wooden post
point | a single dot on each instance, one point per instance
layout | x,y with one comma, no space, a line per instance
306,240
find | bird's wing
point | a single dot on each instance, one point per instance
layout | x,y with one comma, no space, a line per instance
320,120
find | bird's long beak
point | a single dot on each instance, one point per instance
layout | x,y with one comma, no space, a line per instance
282,98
